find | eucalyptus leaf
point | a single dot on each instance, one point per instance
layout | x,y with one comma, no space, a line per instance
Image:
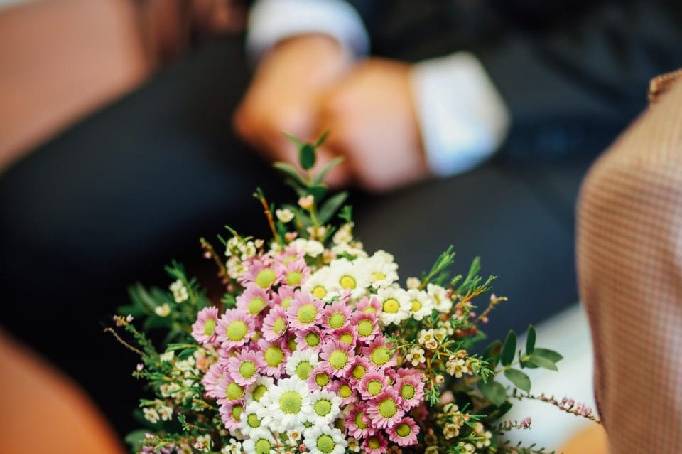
518,378
290,171
331,206
319,178
549,354
530,340
494,392
306,156
509,349
542,361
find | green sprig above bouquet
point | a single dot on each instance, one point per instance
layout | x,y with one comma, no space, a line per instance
314,346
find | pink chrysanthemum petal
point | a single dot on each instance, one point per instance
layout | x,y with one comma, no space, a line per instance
375,444
372,384
385,410
360,368
204,328
345,391
253,301
292,273
245,367
305,312
404,432
230,414
235,328
358,423
410,388
338,356
215,380
321,377
366,326
274,356
336,316
311,339
260,271
369,305
380,353
275,324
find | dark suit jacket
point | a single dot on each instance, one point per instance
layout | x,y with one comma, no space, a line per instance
573,72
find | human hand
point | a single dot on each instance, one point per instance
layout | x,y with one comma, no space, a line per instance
373,124
285,93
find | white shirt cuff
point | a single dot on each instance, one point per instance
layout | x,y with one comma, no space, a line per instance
463,119
273,20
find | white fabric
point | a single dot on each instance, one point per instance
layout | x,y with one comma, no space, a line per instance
273,20
463,119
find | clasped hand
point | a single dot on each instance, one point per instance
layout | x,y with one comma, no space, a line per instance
308,84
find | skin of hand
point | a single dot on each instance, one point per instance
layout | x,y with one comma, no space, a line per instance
373,123
285,94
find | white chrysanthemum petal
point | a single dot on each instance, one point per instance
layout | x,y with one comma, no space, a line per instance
395,305
324,439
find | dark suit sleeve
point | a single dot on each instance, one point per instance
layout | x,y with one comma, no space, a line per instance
572,73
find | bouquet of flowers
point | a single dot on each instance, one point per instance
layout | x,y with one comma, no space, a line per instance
314,346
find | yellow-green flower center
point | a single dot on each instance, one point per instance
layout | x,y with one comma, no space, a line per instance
380,356
312,339
344,391
373,443
247,369
279,326
258,392
347,282
346,338
265,278
365,327
262,446
236,330
286,302
403,430
369,310
337,320
360,421
319,291
325,443
322,407
378,276
322,379
303,370
234,391
388,408
407,391
209,327
359,371
415,306
338,359
237,411
256,305
307,313
253,420
391,306
294,278
290,402
374,387
273,356
291,343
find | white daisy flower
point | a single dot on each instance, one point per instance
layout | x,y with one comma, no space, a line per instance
250,419
260,441
324,440
311,248
346,276
420,304
353,249
257,390
326,407
439,295
320,284
381,269
395,305
301,363
287,405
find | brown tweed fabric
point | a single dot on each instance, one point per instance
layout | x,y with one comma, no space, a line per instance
630,272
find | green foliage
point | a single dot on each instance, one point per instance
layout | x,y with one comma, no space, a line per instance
518,378
509,349
494,391
530,340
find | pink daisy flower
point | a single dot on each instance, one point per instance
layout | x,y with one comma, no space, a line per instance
261,272
284,297
366,326
231,392
244,367
230,414
320,377
380,353
358,424
311,338
375,444
304,312
235,328
274,357
339,356
204,328
345,391
410,388
404,432
336,316
253,300
215,380
372,384
293,273
275,324
360,368
369,305
385,410
345,336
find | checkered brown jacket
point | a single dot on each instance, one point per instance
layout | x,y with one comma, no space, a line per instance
630,272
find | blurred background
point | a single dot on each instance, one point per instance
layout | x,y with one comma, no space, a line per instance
129,128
